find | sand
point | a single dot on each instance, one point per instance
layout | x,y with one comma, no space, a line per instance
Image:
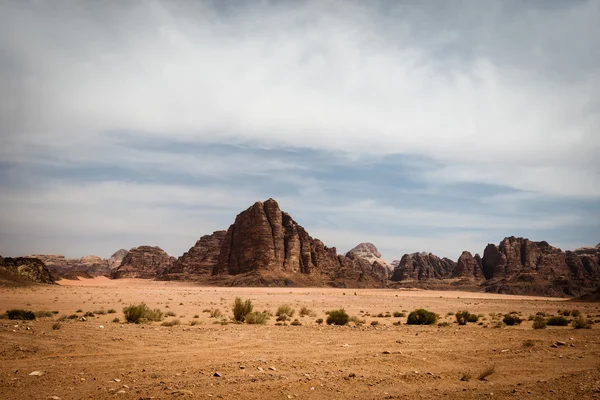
101,359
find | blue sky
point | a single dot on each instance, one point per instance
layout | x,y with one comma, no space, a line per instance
413,125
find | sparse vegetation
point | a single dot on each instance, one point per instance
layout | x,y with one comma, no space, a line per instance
486,372
374,323
338,317
357,321
194,323
462,317
287,310
116,320
539,322
256,318
89,314
56,326
241,309
171,314
528,343
296,322
141,313
42,314
215,313
319,321
112,311
466,376
422,317
557,321
79,310
304,311
444,324
512,319
20,314
100,312
172,322
581,323
398,314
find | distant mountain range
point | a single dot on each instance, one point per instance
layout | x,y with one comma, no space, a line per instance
267,247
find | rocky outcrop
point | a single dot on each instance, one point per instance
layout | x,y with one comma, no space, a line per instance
521,266
24,269
422,266
144,262
468,267
369,252
266,246
116,259
88,266
198,260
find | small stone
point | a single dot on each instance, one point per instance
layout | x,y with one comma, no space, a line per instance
83,319
117,380
272,368
217,374
242,367
121,392
101,327
54,398
571,345
352,375
559,343
260,369
387,352
37,373
554,345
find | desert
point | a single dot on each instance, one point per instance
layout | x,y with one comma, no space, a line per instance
376,358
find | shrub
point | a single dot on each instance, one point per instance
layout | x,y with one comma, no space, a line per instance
319,321
465,377
397,314
116,320
296,322
422,317
472,318
100,312
528,343
20,314
170,314
41,314
196,316
112,311
141,313
241,309
338,317
356,320
73,316
486,372
172,322
575,313
194,323
89,314
256,318
215,313
581,323
56,326
539,322
79,310
461,317
283,318
287,310
512,319
444,324
374,323
557,321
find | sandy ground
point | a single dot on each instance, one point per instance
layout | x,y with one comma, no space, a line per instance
81,360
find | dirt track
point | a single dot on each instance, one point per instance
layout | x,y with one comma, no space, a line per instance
81,360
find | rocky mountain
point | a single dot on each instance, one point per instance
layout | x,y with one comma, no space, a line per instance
24,269
421,266
369,252
145,262
116,259
87,266
265,246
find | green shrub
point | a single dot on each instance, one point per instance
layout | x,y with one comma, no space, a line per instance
256,318
241,309
512,319
172,322
56,326
557,321
472,318
319,321
539,322
141,313
287,310
461,317
338,317
41,314
581,323
20,314
422,317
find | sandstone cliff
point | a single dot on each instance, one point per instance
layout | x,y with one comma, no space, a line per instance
421,266
24,269
145,262
87,266
198,260
369,252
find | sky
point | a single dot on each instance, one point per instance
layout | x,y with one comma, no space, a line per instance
414,125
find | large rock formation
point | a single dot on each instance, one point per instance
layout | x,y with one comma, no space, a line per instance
265,246
369,252
200,259
87,266
116,259
24,269
421,266
468,267
145,262
521,266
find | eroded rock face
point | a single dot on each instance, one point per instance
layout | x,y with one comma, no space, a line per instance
88,266
200,259
116,259
25,269
369,252
468,267
421,266
144,262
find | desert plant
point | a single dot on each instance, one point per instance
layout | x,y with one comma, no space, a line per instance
512,319
89,314
287,310
73,316
116,320
170,314
581,323
241,309
338,317
304,311
472,318
194,323
100,312
41,314
486,372
296,322
283,318
215,313
397,314
528,343
461,317
20,314
141,313
56,326
79,310
539,322
172,322
557,321
374,323
444,324
196,316
256,318
575,313
422,317
466,376
112,311
319,321
357,321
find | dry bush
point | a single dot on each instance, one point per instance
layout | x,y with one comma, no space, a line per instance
241,309
539,322
486,372
557,321
422,317
256,318
337,317
141,313
287,310
172,322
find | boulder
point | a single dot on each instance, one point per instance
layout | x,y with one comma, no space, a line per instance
144,262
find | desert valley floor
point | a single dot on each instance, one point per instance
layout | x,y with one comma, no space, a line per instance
101,359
